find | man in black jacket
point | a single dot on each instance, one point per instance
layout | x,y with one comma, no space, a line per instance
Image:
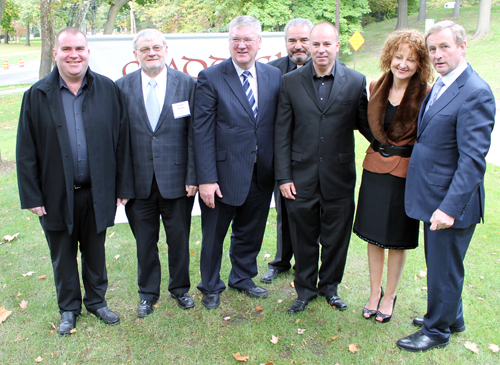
74,168
297,33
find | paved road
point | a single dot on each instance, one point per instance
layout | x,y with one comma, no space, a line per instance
19,75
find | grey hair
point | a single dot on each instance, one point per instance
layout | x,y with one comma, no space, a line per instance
148,35
457,30
245,21
298,22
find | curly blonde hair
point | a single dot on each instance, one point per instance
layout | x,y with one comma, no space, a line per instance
416,42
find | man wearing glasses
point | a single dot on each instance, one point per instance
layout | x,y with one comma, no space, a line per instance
233,140
159,103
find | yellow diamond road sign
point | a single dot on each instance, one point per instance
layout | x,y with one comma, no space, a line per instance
356,40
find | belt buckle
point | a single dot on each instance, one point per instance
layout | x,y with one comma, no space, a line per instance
381,150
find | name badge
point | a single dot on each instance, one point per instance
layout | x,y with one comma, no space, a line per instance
181,109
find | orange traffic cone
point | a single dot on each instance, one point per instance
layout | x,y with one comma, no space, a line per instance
21,62
5,64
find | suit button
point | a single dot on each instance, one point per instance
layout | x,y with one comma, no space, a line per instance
256,128
150,157
322,139
253,152
322,117
154,137
321,159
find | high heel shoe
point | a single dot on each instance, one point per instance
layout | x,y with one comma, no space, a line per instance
370,312
386,317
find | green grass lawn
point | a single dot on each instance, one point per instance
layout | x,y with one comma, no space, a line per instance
13,51
199,336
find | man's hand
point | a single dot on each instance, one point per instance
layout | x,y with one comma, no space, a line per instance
191,190
207,192
121,201
441,220
288,190
39,211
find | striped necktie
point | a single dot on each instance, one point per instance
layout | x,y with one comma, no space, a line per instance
152,105
435,92
249,93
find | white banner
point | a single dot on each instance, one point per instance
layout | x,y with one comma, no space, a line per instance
112,55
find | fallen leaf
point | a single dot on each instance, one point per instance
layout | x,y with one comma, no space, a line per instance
345,286
240,357
156,306
52,325
280,301
193,253
38,359
23,304
259,308
197,242
274,339
4,286
112,235
471,346
422,274
424,288
4,313
73,330
301,331
227,318
9,238
41,277
266,256
297,321
353,348
292,284
29,273
493,347
19,294
481,298
335,337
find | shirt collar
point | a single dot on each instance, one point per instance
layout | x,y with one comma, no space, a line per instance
240,71
62,83
292,65
161,79
332,74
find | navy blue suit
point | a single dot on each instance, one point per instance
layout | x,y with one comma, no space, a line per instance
446,172
225,138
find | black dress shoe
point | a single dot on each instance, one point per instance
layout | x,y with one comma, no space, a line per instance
386,317
419,322
183,300
371,312
419,342
106,315
269,276
297,306
67,323
211,301
255,292
145,308
337,302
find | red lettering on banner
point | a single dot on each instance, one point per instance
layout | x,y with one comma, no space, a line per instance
124,69
203,63
173,65
216,59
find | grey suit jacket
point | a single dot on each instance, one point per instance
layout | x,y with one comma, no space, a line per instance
166,152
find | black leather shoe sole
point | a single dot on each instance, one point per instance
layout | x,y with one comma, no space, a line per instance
255,292
419,342
67,323
106,315
211,301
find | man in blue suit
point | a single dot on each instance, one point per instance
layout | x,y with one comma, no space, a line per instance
444,186
235,109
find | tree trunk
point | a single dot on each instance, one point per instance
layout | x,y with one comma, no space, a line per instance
113,14
6,39
27,34
47,34
2,8
456,9
93,12
81,14
402,15
483,22
422,11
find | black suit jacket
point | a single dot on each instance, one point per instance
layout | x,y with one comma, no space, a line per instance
226,133
315,145
43,153
168,151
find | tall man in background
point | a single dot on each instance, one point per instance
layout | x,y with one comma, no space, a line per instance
74,167
320,105
159,103
444,186
297,33
235,112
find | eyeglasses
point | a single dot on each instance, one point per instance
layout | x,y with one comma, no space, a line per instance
157,49
247,41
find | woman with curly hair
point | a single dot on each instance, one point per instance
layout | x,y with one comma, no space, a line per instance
381,220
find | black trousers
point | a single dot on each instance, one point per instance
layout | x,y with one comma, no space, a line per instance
284,250
445,251
63,253
144,219
330,221
249,223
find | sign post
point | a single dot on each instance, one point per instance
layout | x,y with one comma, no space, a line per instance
356,41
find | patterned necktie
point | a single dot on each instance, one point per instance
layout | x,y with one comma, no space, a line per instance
435,93
248,91
152,105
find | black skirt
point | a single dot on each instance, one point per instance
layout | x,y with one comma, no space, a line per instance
380,216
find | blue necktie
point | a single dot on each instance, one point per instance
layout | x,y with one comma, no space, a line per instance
152,105
248,91
435,92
